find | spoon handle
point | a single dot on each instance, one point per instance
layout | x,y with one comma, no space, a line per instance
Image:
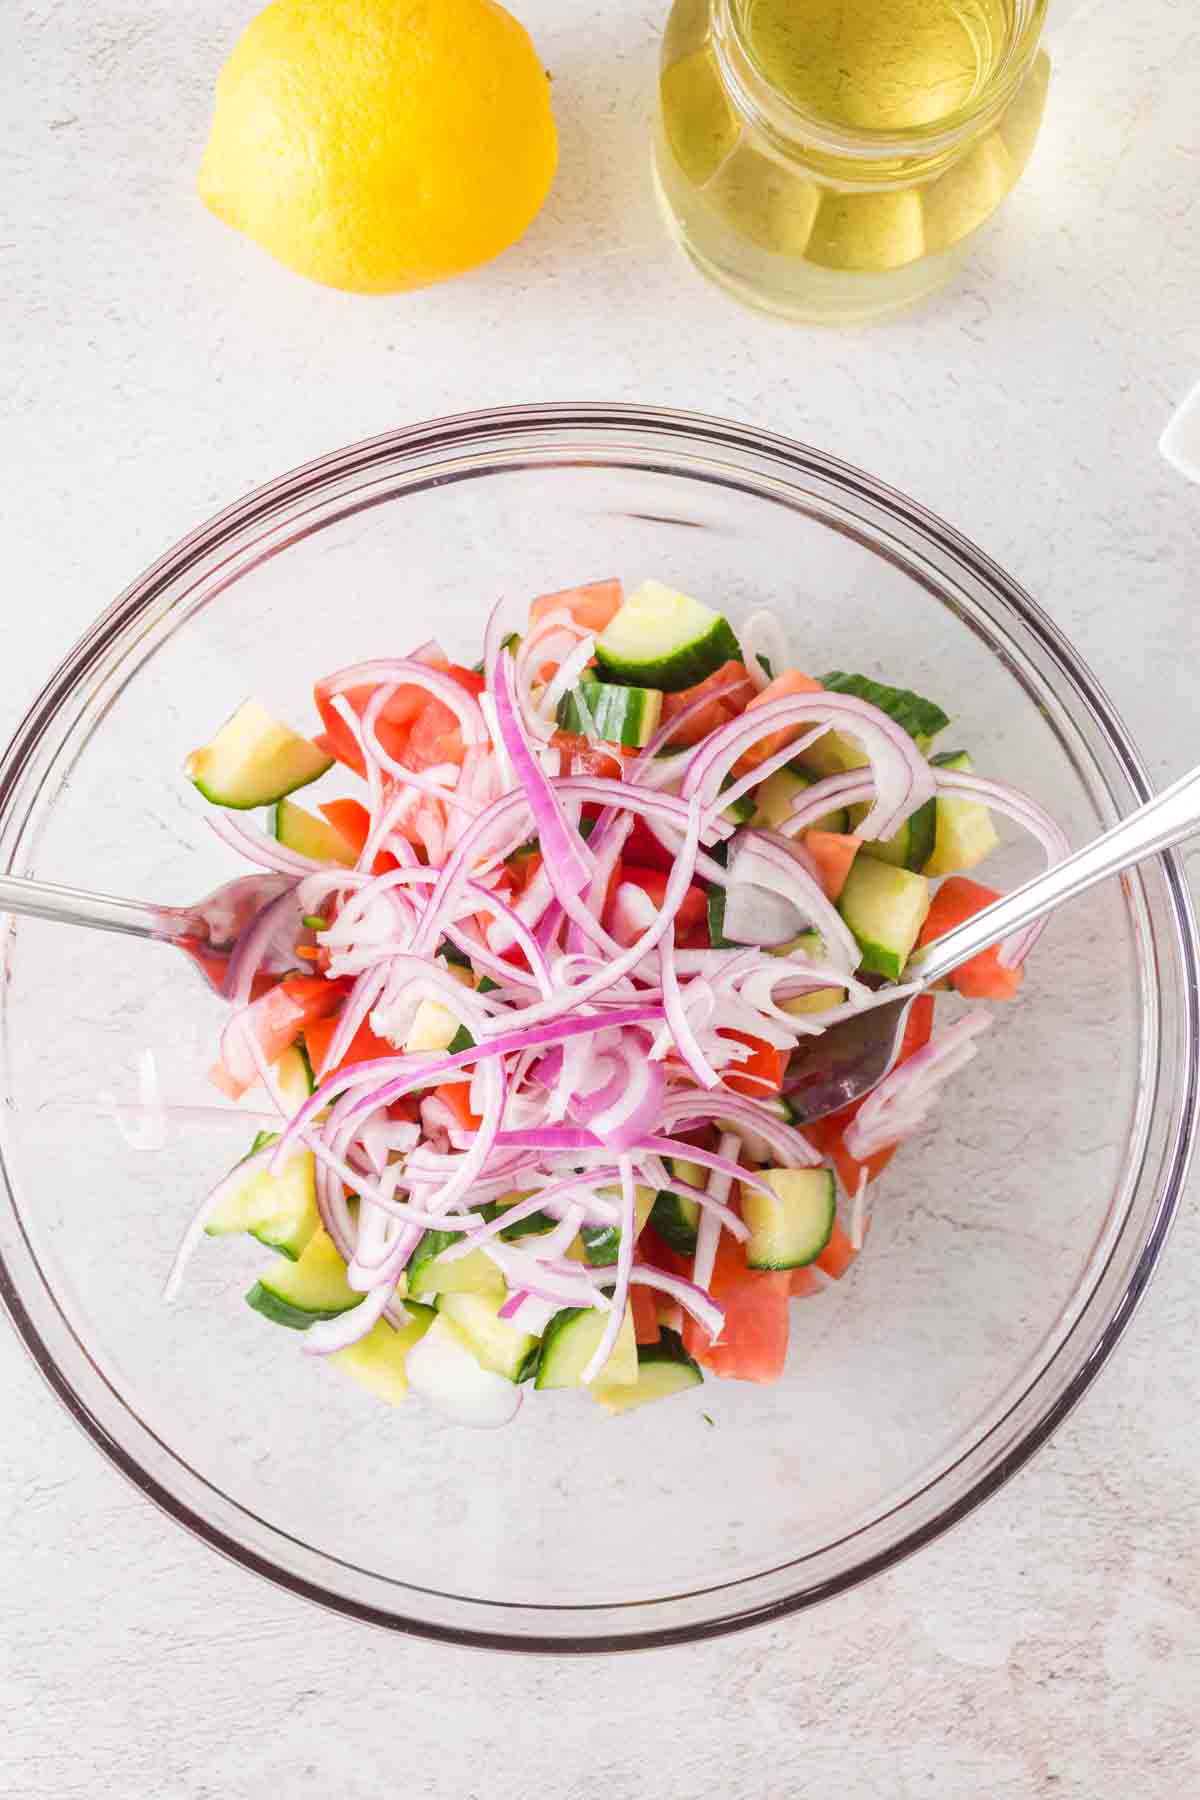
76,906
1166,820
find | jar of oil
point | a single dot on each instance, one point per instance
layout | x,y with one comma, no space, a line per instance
830,160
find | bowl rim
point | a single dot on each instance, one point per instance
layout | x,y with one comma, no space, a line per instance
555,424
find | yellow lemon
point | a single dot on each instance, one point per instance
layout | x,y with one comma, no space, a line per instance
376,145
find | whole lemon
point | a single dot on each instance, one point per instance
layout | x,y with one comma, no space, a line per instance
377,145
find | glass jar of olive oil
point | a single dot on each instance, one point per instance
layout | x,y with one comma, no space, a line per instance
830,160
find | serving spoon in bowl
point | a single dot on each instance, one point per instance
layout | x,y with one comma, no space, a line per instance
829,1072
849,1059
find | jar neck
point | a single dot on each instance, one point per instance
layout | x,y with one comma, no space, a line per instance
857,153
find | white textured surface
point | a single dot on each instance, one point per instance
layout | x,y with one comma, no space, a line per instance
155,368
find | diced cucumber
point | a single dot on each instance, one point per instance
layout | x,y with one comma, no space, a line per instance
532,1225
885,908
570,1341
303,832
663,639
809,944
741,810
601,1242
434,1026
279,1210
831,754
908,848
378,1361
254,761
294,1077
716,919
619,715
664,1368
776,801
473,1274
503,1348
675,1217
793,1226
817,1000
298,1294
921,718
965,834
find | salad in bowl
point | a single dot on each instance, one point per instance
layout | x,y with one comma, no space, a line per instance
525,994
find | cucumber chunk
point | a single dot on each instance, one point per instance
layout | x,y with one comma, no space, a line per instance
298,1294
792,1227
921,718
473,1274
254,761
303,832
964,833
379,1360
777,797
503,1348
601,1242
619,715
664,1369
532,1225
570,1340
279,1210
675,1217
911,846
663,639
885,908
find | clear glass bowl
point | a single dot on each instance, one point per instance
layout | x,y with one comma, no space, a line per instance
1011,1242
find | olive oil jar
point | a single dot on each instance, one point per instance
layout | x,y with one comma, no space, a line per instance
831,160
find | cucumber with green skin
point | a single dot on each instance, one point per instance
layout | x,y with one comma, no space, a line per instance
279,1209
619,715
911,846
473,1274
964,833
790,1227
299,830
778,795
298,1294
664,1368
922,719
571,1339
885,909
676,1217
602,1242
663,639
254,761
495,1344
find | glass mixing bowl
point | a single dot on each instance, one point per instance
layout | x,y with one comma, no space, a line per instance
1011,1242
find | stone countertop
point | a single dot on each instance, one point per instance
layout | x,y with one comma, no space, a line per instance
155,367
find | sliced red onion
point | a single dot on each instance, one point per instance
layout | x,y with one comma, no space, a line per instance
328,1336
211,1203
627,1117
1014,805
789,1144
676,1010
624,1268
903,1099
703,1308
260,848
567,860
529,1313
903,779
706,1198
708,1230
766,860
858,1210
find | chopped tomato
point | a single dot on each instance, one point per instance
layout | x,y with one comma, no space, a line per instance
763,1070
578,757
693,909
592,607
833,852
838,1253
984,977
214,965
754,1340
730,687
454,1094
781,688
642,1305
365,1046
435,735
398,713
275,1021
351,819
802,1283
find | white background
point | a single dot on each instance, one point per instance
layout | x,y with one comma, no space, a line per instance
155,366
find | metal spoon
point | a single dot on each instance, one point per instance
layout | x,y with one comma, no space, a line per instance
207,932
851,1058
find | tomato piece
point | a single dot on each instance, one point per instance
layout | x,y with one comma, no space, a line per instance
693,908
642,1305
730,687
753,1343
578,757
276,1021
984,977
838,1253
454,1094
781,688
365,1046
833,852
592,607
802,1284
761,1073
352,820
399,711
